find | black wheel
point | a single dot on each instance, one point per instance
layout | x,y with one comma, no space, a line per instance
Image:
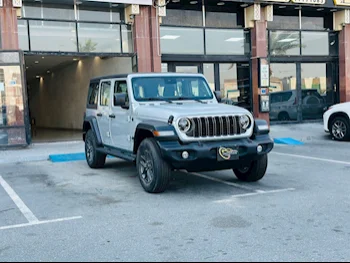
340,129
154,173
94,158
283,116
255,172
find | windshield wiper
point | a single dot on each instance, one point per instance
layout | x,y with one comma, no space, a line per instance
190,98
158,99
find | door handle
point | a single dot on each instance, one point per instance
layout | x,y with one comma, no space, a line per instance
112,116
99,114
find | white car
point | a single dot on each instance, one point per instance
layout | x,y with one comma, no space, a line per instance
336,121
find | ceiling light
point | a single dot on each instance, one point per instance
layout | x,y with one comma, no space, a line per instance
42,57
38,77
282,6
75,59
27,67
333,10
171,37
36,62
176,1
221,3
48,72
193,2
234,39
78,2
244,5
298,7
287,40
320,9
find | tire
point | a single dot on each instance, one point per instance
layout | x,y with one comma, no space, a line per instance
94,158
340,129
283,116
154,173
255,172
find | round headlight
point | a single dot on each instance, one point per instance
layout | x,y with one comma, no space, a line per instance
245,122
184,125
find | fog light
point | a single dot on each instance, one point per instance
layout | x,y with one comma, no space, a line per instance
185,155
259,149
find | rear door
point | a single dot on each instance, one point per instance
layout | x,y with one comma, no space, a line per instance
104,110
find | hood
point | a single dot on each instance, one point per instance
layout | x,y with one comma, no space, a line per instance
162,111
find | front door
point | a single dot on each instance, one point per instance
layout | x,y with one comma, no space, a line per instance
120,121
104,110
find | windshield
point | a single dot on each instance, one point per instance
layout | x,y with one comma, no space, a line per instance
170,88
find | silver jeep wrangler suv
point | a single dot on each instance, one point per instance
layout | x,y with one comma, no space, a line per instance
171,121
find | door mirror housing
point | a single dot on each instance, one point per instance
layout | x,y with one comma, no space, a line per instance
218,95
120,100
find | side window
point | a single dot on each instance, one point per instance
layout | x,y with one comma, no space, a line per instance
105,93
120,87
92,95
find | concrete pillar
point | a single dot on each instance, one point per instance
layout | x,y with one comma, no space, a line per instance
8,27
147,40
259,50
344,64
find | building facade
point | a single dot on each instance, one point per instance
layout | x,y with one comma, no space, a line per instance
284,60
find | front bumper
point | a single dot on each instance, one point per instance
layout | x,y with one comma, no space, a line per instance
203,155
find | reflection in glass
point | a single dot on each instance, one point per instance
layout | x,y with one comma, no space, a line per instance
53,36
221,19
177,17
228,83
181,40
314,89
284,43
48,11
312,23
186,69
23,35
283,94
284,22
208,71
128,46
99,38
315,43
98,14
12,137
224,42
164,67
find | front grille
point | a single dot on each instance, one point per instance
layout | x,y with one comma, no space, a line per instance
215,126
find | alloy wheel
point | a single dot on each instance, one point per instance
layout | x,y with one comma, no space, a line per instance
146,167
339,130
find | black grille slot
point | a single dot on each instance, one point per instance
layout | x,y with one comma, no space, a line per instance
215,126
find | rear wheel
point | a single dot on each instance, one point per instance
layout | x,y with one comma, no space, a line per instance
255,172
283,116
94,158
154,173
340,128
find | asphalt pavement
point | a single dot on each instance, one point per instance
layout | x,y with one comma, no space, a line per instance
67,212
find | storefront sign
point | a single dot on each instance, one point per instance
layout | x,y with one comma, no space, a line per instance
264,73
135,2
309,2
342,2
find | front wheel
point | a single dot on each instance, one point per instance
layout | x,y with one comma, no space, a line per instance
154,173
255,172
340,128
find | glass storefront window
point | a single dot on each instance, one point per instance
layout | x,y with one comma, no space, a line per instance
181,40
312,23
315,43
128,46
220,19
314,89
228,83
208,71
46,11
98,14
53,36
283,93
187,69
164,67
178,17
284,43
23,35
99,38
225,42
284,22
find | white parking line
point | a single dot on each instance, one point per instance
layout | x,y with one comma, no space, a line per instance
32,219
18,201
258,192
40,223
224,182
311,158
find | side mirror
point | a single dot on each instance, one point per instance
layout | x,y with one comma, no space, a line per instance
218,95
120,100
